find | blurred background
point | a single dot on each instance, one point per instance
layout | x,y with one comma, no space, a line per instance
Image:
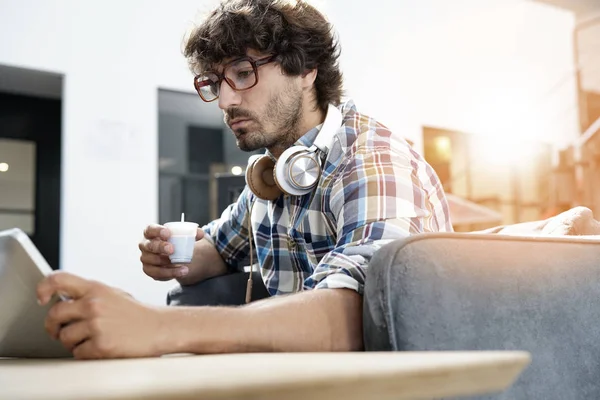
101,132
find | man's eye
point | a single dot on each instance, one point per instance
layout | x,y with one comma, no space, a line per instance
244,74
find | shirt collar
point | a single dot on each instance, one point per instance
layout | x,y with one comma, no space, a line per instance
309,137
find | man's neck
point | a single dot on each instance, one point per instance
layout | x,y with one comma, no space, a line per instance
312,118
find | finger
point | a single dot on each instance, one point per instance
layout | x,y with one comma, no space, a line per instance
155,259
86,351
199,234
62,283
63,313
153,231
156,246
165,274
74,334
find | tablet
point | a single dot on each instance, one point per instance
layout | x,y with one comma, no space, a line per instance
22,332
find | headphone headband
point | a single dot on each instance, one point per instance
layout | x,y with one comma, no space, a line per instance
333,120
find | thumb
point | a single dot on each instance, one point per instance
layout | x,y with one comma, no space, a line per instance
199,234
61,283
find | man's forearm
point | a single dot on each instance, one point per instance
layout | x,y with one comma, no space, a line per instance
316,320
206,263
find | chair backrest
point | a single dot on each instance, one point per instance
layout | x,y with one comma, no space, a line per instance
453,291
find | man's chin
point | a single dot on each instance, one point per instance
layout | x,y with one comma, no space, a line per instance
245,146
247,140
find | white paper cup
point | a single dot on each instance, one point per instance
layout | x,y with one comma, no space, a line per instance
183,238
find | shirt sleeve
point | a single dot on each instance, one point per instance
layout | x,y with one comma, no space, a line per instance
379,196
229,234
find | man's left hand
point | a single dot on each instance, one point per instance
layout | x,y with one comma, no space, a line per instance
98,321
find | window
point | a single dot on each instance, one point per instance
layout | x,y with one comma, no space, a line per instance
17,185
200,166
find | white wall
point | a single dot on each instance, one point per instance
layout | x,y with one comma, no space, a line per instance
483,67
467,65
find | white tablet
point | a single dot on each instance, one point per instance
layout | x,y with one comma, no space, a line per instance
22,332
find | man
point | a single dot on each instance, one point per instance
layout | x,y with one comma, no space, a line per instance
273,68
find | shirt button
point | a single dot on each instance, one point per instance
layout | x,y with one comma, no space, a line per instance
292,244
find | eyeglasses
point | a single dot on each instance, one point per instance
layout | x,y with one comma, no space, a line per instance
240,74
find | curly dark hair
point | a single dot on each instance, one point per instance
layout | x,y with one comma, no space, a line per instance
295,31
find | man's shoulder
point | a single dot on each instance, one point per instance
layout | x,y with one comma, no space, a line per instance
361,133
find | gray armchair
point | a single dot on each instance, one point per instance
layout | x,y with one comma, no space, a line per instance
470,291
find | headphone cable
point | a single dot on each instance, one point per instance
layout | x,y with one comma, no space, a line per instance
250,238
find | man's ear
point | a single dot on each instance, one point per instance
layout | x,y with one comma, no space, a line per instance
308,78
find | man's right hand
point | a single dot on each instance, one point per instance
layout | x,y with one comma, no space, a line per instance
155,254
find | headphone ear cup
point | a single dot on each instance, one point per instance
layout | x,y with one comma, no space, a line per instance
286,170
259,176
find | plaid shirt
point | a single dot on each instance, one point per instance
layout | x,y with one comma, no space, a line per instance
373,189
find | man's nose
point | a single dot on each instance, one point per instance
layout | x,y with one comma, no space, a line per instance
228,97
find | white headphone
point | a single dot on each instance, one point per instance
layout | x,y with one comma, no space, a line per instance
298,169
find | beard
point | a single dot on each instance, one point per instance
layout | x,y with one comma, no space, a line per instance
283,111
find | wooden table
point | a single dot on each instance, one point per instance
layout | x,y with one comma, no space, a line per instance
281,376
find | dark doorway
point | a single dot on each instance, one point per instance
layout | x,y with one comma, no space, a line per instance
37,120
